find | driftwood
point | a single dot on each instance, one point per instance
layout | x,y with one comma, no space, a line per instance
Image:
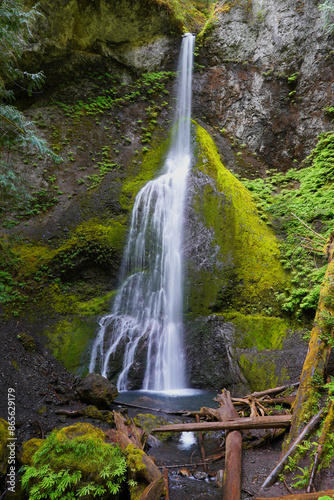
128,433
233,450
268,422
165,473
300,496
275,390
279,467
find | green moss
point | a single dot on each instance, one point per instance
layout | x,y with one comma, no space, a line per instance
29,449
152,162
3,446
248,271
261,372
100,242
148,422
27,341
72,458
69,342
261,332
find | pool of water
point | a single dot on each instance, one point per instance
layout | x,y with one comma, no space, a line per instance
181,399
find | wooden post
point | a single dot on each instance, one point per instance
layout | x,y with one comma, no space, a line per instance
200,438
233,446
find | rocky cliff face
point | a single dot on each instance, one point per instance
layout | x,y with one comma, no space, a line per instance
262,79
75,34
268,74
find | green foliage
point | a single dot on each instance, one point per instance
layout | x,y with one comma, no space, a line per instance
75,462
308,193
117,94
302,478
327,14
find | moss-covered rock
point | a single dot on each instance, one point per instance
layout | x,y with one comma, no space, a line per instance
74,458
29,449
233,257
148,422
3,447
232,270
134,34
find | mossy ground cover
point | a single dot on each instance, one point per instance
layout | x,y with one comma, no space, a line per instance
300,203
76,462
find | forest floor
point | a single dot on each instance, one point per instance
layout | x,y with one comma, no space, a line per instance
43,387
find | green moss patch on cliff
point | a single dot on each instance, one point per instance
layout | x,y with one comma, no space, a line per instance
152,161
262,332
248,271
261,371
69,339
4,450
295,198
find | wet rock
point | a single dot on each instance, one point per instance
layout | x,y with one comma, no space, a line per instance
200,475
97,390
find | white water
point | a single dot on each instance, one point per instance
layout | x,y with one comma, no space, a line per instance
148,307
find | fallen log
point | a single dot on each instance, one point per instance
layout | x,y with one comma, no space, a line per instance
275,390
300,496
267,422
168,412
279,467
233,450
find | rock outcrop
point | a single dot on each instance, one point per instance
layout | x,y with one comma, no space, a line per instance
97,390
267,77
74,35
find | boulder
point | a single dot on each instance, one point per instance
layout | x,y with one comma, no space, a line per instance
97,390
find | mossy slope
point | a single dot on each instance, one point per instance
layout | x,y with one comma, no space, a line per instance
246,270
232,271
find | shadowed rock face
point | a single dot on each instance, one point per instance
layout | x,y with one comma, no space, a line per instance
75,33
268,75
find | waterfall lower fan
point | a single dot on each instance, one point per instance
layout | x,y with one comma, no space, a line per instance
147,312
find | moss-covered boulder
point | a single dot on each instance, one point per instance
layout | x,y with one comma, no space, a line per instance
29,449
77,459
3,447
232,256
233,274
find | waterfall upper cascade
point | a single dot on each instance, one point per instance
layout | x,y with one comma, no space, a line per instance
148,307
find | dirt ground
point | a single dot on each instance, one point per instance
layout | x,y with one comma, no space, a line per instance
43,387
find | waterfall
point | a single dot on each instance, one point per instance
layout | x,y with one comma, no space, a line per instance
148,307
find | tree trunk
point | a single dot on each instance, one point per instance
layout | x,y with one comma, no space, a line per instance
318,352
